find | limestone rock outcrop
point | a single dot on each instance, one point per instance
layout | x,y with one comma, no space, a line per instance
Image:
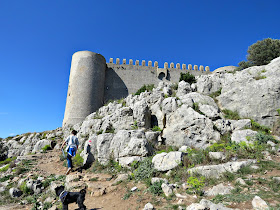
253,92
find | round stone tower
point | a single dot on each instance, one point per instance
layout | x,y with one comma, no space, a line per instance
86,86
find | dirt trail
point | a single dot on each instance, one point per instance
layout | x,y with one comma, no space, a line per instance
49,163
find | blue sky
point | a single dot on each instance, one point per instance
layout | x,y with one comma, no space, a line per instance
38,38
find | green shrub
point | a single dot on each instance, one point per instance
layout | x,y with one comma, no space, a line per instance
196,108
216,94
155,188
5,178
259,77
121,101
229,176
135,125
52,178
238,198
5,168
196,184
78,160
47,205
257,127
144,88
95,179
20,170
262,138
245,170
110,129
8,160
25,189
97,115
196,156
99,132
233,115
145,169
46,147
166,149
187,77
127,195
217,147
156,128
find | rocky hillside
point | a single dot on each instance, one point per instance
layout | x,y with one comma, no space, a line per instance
212,144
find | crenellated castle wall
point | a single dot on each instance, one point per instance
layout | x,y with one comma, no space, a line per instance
123,78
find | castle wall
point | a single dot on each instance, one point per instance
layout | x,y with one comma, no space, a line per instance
123,79
92,82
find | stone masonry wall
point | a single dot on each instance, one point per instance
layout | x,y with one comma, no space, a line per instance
126,78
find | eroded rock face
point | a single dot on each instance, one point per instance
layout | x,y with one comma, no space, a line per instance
216,171
40,144
253,92
123,146
187,127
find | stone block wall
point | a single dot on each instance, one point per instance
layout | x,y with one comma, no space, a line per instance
125,78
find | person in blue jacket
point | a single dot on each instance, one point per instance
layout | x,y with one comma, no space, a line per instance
72,147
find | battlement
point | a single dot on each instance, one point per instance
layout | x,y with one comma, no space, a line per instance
178,66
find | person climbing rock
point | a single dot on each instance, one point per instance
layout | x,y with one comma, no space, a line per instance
72,147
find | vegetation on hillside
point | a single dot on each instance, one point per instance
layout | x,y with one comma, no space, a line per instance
144,88
187,77
261,53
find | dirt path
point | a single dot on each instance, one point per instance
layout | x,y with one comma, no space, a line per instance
49,163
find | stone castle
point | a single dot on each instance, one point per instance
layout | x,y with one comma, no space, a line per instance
92,81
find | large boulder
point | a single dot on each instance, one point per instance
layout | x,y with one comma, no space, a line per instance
167,161
121,146
183,89
243,135
187,127
219,189
209,205
104,153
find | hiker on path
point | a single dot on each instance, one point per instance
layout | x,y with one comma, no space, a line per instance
72,147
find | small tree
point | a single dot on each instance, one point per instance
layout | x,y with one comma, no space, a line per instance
187,77
261,53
